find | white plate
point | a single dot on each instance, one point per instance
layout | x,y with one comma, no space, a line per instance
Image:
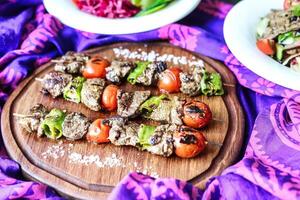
239,32
67,12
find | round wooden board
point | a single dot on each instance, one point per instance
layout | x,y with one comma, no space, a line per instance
92,181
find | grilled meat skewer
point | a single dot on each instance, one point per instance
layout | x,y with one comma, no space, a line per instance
160,140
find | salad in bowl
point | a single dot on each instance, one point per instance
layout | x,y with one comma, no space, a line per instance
278,34
121,8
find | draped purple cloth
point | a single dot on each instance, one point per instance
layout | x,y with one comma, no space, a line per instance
269,162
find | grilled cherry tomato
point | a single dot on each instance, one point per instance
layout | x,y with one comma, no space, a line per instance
188,142
109,98
95,68
169,81
98,132
266,46
196,114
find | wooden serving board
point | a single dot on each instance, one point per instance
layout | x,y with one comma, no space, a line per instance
60,164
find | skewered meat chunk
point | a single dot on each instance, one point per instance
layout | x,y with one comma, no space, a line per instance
161,142
71,63
177,111
150,74
190,83
168,111
75,126
32,121
122,133
129,102
162,112
118,70
54,83
91,93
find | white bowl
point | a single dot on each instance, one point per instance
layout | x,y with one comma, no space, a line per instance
239,32
67,12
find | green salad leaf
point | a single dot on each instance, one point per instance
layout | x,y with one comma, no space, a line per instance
296,10
144,135
152,103
150,6
133,76
73,90
52,125
279,52
211,84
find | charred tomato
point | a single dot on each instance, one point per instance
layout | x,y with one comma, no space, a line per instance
188,142
196,114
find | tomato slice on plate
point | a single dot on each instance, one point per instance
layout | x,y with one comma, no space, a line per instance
266,46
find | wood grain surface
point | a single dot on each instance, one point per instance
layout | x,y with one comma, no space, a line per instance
89,181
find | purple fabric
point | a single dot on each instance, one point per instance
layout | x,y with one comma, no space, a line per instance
269,169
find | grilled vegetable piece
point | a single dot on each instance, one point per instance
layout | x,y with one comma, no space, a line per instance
146,73
91,93
32,121
152,103
196,114
129,102
95,67
188,142
167,111
75,126
118,70
109,98
211,84
72,92
71,62
138,71
190,83
51,126
157,140
144,134
122,133
98,132
169,81
54,83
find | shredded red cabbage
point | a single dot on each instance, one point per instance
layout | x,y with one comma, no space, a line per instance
108,8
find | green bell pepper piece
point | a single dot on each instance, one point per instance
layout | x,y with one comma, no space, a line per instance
144,135
73,90
52,125
211,84
152,103
133,76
